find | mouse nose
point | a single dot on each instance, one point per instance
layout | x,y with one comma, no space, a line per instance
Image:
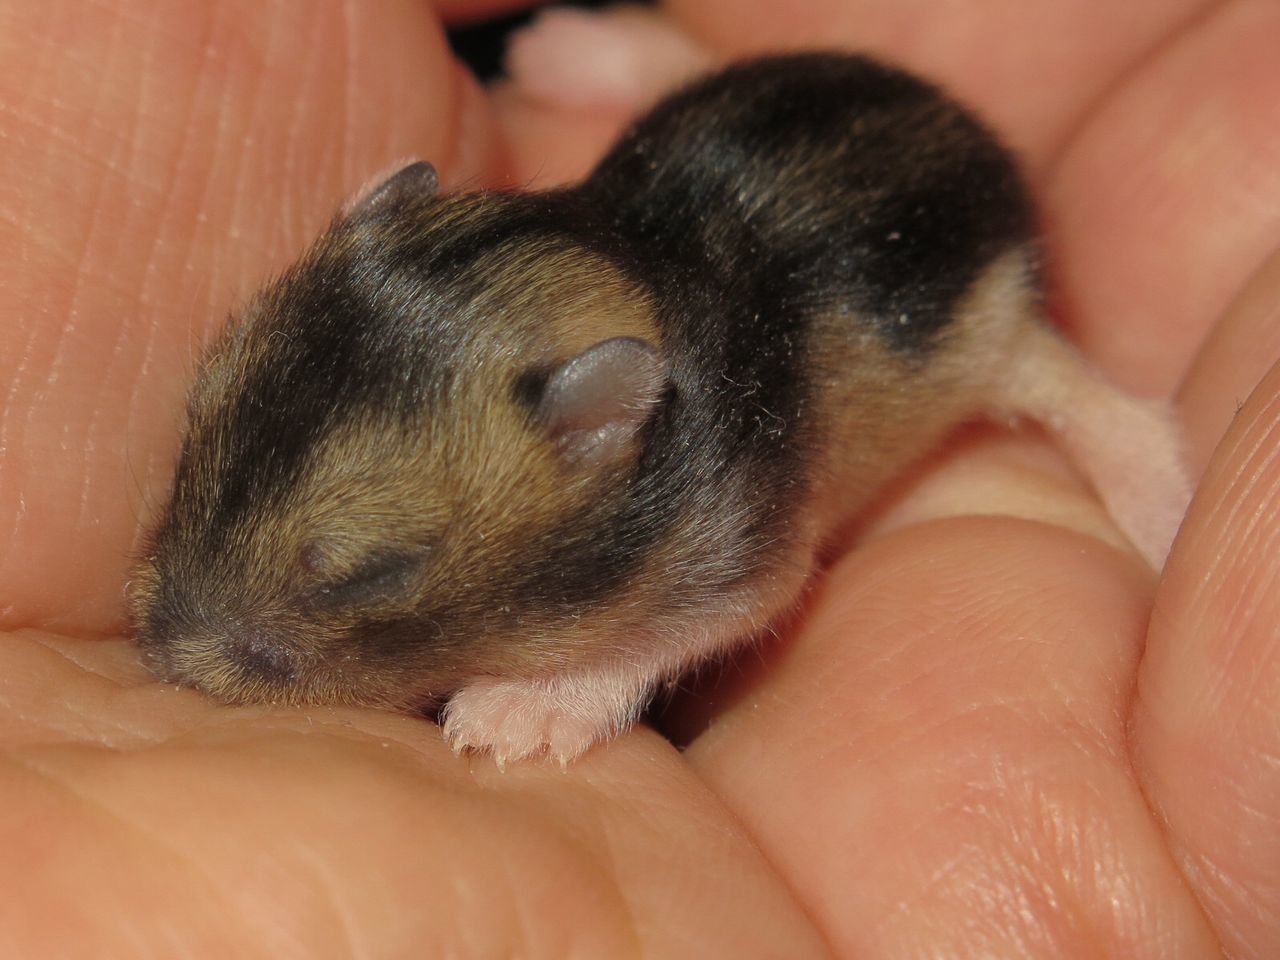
261,653
203,644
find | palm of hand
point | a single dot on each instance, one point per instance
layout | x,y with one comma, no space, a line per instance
973,744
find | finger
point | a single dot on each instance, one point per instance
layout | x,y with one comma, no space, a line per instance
1206,732
158,161
937,763
550,145
986,470
1240,349
1164,203
144,821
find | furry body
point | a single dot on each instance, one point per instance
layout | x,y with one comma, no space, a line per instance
528,455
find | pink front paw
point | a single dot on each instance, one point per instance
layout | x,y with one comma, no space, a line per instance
515,720
623,57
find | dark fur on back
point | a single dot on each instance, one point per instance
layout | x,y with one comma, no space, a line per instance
793,186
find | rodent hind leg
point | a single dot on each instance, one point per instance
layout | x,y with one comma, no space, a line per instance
625,56
1130,448
560,716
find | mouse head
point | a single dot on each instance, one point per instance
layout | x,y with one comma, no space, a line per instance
395,460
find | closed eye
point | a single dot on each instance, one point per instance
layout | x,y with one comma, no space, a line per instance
383,575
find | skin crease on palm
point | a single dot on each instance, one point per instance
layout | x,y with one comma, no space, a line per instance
970,744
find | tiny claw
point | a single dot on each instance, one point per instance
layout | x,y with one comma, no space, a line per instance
451,736
500,759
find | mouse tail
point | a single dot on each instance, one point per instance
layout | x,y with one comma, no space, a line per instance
1130,448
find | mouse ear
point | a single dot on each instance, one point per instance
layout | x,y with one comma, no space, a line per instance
416,180
592,405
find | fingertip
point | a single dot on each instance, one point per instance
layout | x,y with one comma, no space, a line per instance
1204,732
1231,363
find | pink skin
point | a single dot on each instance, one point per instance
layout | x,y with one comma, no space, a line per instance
561,717
627,58
971,744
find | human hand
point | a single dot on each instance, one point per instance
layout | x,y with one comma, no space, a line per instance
971,745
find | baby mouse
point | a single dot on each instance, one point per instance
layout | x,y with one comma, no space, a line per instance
527,455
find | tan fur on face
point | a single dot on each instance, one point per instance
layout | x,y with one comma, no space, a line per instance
473,478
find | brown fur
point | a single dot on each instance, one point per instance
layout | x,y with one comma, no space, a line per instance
458,473
781,288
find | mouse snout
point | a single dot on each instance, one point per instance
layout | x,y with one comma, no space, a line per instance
262,653
220,652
